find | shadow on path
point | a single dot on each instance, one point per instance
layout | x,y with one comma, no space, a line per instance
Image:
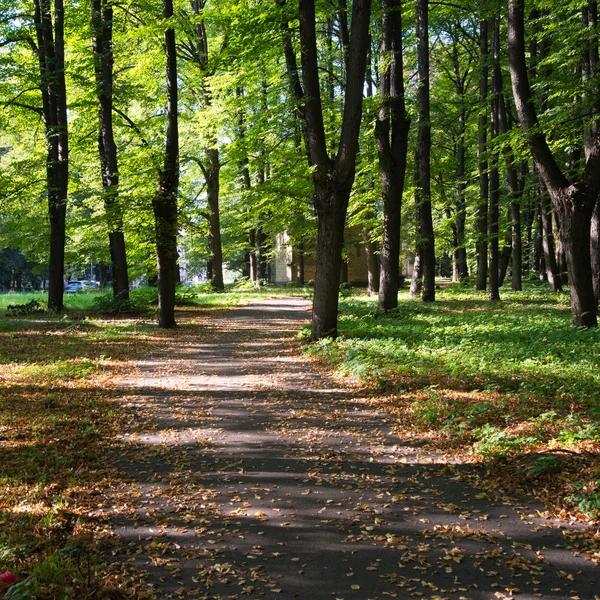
249,475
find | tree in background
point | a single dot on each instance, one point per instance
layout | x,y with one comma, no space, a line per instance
102,31
164,202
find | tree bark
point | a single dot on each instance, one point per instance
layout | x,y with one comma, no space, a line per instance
102,19
373,272
590,72
515,190
595,250
461,207
51,59
552,271
333,178
391,132
573,201
165,199
506,252
494,214
212,175
459,267
482,209
198,52
425,242
529,218
300,263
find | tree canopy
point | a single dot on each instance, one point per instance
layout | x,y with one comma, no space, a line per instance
488,168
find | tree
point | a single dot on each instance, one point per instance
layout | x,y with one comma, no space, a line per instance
51,57
425,236
391,132
494,178
482,150
165,200
332,177
574,200
102,28
196,50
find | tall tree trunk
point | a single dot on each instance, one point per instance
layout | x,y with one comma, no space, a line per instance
300,263
459,266
247,183
371,247
102,19
482,209
529,218
212,175
494,213
51,58
425,245
253,255
506,252
165,200
494,252
391,132
595,250
514,188
461,207
333,178
198,52
590,73
539,263
573,201
517,247
373,272
561,257
553,273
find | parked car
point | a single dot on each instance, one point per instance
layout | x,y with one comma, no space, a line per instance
81,285
73,286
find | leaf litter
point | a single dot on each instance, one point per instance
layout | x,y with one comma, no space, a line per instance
238,471
247,473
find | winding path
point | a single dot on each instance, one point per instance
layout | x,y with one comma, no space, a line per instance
248,474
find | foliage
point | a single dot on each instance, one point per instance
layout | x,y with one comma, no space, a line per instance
31,307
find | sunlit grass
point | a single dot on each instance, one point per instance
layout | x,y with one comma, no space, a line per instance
496,380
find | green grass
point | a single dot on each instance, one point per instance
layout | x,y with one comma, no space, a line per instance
525,345
497,380
143,300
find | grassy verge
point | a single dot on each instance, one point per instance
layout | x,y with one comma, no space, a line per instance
143,300
512,384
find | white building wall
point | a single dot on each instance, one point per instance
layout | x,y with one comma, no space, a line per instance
281,265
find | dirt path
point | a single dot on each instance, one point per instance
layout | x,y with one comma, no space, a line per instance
250,475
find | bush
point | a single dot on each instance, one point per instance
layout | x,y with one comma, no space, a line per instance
186,295
139,302
28,308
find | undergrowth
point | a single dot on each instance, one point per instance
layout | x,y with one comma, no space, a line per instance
509,383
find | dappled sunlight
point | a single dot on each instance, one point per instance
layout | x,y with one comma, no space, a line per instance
213,460
243,472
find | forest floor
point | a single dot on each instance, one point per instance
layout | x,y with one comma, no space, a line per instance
246,472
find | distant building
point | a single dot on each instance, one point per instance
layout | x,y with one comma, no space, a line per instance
284,262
